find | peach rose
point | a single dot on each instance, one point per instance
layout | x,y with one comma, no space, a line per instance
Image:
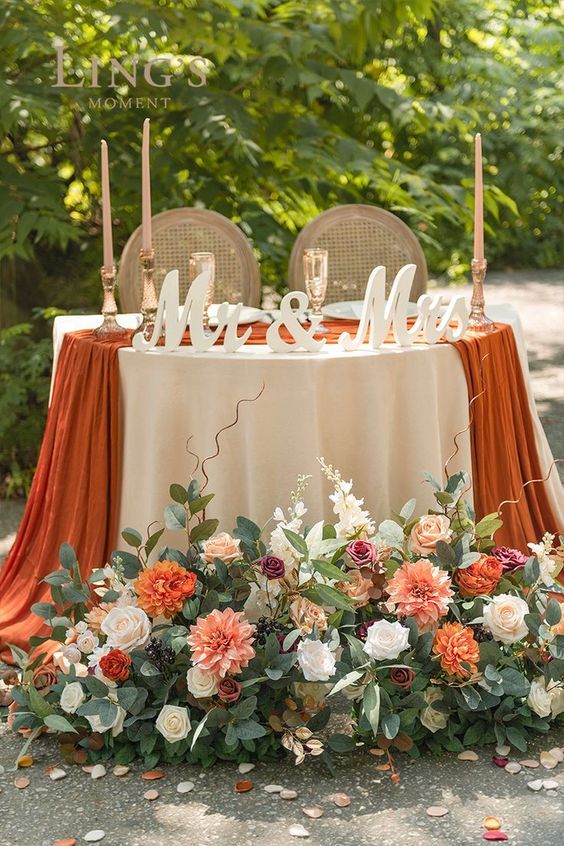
305,615
428,532
221,546
359,590
44,678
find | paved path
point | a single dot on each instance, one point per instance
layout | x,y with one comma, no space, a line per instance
380,813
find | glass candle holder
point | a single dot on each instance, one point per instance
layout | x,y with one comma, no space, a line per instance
200,263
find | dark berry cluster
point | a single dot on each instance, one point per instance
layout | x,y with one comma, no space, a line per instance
481,633
159,654
264,628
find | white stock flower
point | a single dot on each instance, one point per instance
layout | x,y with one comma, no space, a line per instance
386,640
546,701
126,628
173,723
542,552
504,616
116,727
201,683
316,660
353,520
72,697
432,719
87,642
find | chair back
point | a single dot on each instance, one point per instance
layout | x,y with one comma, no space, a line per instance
358,238
176,235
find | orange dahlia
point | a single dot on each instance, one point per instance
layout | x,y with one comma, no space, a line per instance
164,588
221,642
458,650
481,577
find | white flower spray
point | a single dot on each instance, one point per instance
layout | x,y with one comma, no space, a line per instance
354,521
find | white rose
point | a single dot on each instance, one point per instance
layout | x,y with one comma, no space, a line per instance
72,653
556,698
546,701
173,723
201,683
539,698
504,616
87,642
386,640
432,719
116,726
126,628
316,660
72,697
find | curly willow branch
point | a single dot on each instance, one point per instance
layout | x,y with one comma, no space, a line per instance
470,418
193,454
225,428
530,482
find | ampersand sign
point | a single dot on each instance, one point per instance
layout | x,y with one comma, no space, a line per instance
303,338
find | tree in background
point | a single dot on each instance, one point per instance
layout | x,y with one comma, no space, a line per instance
307,105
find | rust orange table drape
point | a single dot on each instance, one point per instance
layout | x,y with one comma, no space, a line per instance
74,495
503,446
75,492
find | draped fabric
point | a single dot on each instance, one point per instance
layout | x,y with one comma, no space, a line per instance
503,446
76,489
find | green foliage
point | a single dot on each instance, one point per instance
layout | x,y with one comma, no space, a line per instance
25,364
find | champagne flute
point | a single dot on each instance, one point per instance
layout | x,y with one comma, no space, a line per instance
315,275
200,263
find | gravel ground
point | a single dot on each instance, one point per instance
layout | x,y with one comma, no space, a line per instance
380,813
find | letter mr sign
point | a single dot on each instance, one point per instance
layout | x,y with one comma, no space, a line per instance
378,316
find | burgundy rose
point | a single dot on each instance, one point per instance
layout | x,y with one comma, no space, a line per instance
362,553
229,690
362,629
402,677
511,559
272,567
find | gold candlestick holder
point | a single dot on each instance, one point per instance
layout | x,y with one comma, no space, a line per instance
478,321
149,301
109,326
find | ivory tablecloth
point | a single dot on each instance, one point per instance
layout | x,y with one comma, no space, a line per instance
382,417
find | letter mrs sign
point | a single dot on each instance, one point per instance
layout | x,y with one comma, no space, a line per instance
378,316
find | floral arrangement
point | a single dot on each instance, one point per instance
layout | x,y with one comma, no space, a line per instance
235,646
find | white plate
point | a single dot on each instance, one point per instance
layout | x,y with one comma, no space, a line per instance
248,313
352,310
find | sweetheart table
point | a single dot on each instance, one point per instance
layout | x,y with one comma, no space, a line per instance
120,420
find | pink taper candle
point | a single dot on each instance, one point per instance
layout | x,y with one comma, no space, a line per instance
478,200
106,210
147,237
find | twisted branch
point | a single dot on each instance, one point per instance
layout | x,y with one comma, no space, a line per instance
530,482
193,454
470,418
224,429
